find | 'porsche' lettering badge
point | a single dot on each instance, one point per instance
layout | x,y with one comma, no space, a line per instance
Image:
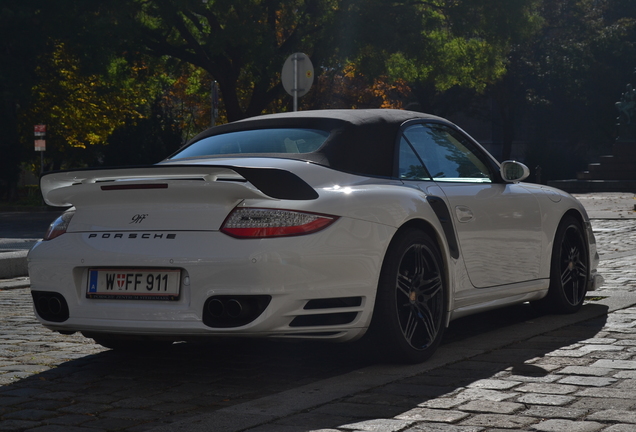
140,236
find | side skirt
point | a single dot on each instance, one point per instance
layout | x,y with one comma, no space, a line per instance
484,299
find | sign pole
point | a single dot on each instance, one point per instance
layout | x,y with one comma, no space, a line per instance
215,102
296,77
295,89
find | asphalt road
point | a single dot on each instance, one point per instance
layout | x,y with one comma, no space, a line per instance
19,230
26,225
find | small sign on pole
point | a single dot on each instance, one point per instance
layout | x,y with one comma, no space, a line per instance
39,130
297,76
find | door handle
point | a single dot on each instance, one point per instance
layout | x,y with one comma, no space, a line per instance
464,214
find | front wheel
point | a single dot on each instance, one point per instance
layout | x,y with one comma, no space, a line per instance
569,269
410,308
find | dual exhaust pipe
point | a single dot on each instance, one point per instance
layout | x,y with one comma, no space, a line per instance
226,311
232,307
50,306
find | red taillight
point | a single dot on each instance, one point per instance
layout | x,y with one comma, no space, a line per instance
263,223
59,225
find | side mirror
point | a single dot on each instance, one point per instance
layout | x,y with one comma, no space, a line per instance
513,171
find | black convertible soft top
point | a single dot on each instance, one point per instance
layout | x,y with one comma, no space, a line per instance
360,141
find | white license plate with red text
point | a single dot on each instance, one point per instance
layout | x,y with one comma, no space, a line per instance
134,284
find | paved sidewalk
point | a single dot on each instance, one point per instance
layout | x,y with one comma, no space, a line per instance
609,205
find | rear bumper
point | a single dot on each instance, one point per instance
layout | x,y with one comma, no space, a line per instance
340,262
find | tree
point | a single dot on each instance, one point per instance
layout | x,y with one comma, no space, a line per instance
143,99
457,45
143,141
26,29
80,110
242,44
566,78
352,89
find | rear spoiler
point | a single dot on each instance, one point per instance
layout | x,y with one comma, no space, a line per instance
271,182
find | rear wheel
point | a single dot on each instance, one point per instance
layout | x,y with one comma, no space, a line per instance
410,308
569,269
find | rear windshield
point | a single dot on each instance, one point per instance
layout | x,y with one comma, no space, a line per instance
285,140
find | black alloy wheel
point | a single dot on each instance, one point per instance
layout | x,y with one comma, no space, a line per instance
410,308
569,270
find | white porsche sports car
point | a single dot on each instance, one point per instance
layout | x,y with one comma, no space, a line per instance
313,225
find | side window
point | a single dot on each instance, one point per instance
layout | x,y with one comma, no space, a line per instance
411,166
445,154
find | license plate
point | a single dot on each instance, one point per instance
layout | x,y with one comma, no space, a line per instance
134,284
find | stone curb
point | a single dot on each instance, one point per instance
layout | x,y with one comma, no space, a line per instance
15,283
13,264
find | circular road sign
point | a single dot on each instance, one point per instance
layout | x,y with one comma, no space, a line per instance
298,74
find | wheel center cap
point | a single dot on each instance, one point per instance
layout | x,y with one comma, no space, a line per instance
412,296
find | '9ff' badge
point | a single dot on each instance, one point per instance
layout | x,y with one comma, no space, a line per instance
138,218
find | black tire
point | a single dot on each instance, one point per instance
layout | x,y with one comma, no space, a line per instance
569,269
409,318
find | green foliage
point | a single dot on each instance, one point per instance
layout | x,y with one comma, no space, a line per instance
471,63
242,44
567,76
444,43
81,110
85,111
27,28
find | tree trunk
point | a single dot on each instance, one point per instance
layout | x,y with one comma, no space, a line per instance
508,132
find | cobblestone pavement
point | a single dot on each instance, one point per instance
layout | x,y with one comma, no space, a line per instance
616,242
52,382
579,377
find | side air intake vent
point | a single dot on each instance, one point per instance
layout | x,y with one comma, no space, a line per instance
333,303
323,319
